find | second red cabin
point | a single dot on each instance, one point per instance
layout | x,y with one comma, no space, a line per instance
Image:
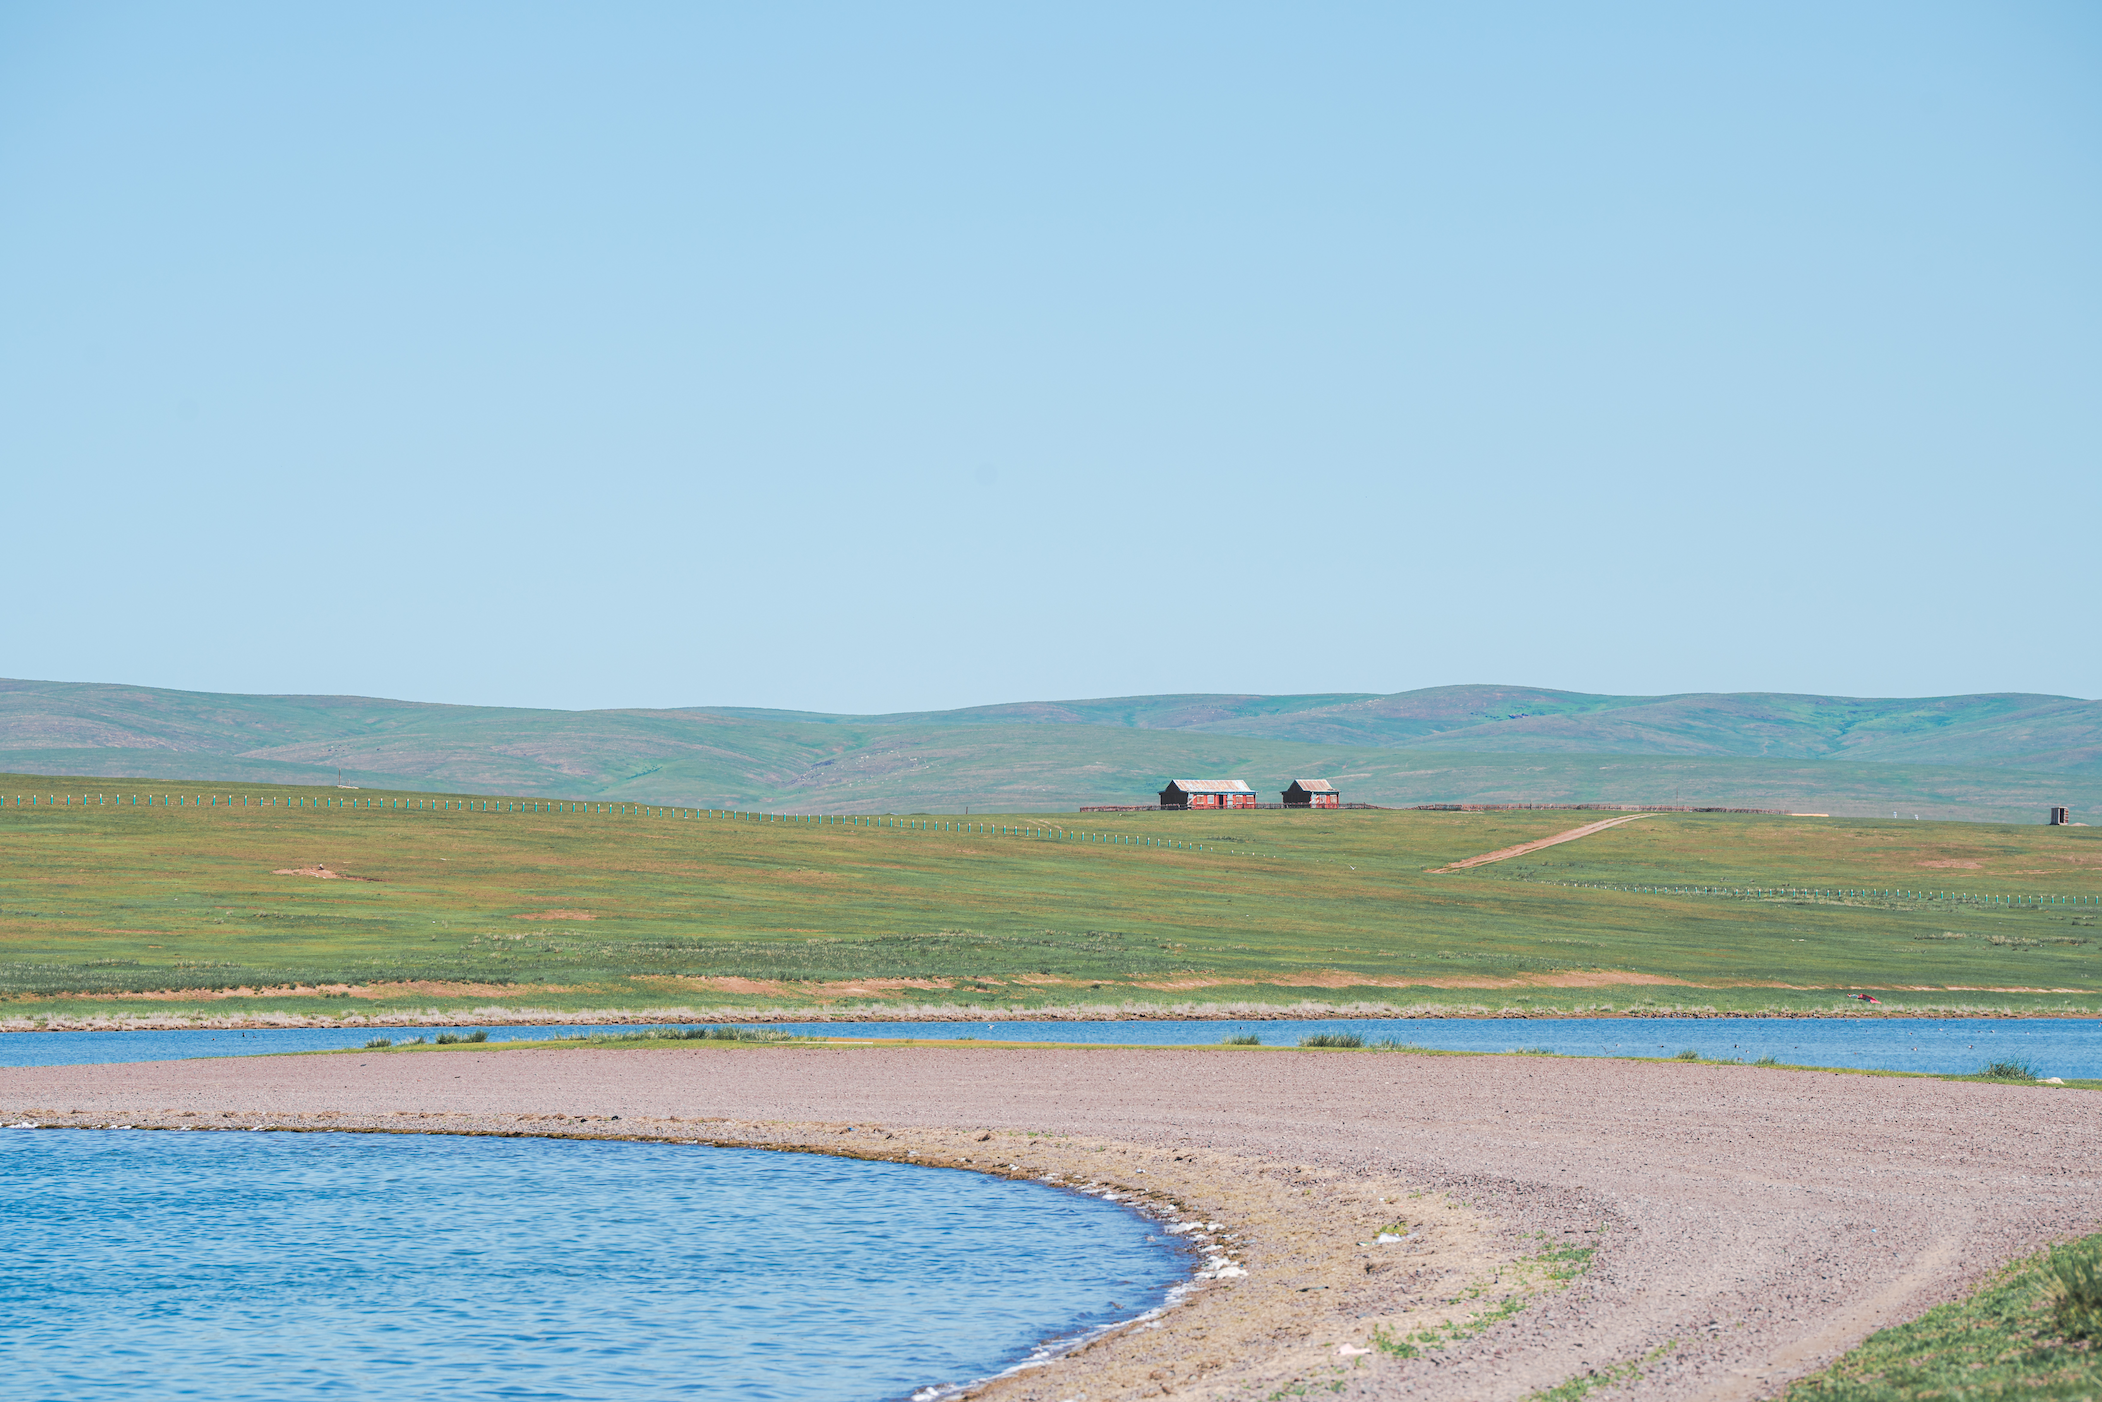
1312,793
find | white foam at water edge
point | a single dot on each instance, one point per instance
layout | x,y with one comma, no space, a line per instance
1052,1349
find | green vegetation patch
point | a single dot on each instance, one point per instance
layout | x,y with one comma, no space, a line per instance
218,905
2032,1332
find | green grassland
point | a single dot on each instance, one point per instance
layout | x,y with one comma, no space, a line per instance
109,908
2000,759
2031,1332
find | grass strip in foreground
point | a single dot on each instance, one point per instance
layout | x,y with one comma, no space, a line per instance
2034,1331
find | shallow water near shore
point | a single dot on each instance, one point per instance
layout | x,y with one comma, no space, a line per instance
294,1266
2066,1047
2063,1047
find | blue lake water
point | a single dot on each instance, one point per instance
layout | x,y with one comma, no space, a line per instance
101,1048
2070,1047
294,1266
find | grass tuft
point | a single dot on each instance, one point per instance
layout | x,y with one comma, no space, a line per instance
2013,1338
2076,1270
1246,1039
2017,1071
1688,1055
690,1034
379,1042
1332,1039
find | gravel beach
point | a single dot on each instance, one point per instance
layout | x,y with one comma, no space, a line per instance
1744,1225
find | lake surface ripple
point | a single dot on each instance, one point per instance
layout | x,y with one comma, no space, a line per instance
232,1265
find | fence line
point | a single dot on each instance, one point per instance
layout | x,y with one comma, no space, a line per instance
1226,808
1440,808
1851,895
1595,808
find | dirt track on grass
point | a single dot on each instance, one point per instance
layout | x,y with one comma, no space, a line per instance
1749,1224
1524,847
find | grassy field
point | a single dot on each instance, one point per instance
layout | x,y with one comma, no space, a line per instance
2032,1332
109,908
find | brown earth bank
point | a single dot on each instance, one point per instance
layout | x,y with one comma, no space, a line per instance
1344,978
873,997
514,1015
320,873
1747,1224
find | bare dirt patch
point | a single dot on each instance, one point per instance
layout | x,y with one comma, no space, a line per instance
768,988
1343,978
321,873
434,988
1953,864
556,915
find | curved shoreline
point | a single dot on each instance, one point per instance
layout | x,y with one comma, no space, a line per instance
1217,1320
1719,1229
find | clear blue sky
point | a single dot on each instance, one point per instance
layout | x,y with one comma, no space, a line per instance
868,357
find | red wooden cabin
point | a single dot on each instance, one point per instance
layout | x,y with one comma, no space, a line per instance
1207,793
1312,793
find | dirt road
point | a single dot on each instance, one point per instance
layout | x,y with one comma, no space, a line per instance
1749,1223
1524,847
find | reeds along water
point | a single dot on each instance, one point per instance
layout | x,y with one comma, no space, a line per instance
2065,1047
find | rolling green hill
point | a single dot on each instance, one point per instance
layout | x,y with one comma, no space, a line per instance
2047,733
1998,758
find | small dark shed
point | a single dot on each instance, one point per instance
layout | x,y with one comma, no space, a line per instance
1312,793
1207,793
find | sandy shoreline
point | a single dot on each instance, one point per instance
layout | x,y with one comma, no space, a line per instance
1747,1224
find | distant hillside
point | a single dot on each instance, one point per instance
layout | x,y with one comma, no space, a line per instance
1988,757
2050,733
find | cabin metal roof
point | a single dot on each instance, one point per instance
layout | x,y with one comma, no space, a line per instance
1210,785
1315,785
